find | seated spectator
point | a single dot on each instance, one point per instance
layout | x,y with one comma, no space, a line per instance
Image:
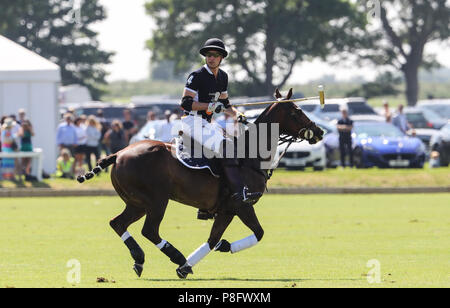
65,166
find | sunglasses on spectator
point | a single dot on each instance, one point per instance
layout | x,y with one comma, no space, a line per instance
213,54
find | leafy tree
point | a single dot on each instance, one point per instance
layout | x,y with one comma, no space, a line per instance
53,29
385,84
408,26
266,38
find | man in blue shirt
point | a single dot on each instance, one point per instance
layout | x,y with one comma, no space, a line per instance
66,136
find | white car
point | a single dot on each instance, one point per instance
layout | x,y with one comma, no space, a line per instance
302,155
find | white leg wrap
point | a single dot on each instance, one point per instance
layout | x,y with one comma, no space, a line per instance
161,245
245,243
198,255
125,236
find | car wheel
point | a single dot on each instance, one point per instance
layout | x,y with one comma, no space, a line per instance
358,158
318,168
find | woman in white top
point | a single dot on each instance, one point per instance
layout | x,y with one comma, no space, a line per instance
93,133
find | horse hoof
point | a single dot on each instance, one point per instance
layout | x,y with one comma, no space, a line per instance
184,271
138,268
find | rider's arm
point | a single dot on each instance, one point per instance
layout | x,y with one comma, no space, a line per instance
195,105
231,111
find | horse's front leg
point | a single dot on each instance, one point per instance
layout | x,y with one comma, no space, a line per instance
247,214
221,223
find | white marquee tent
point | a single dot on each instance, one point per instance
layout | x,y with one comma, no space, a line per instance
30,81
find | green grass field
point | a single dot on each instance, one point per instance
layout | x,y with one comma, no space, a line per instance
374,177
310,241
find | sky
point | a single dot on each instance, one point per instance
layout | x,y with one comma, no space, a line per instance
127,27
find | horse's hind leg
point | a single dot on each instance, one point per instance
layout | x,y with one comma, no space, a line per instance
120,224
151,232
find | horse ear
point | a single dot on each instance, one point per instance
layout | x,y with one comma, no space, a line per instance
277,93
289,94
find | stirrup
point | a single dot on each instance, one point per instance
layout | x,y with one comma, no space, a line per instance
246,197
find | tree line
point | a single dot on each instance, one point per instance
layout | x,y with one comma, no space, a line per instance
266,38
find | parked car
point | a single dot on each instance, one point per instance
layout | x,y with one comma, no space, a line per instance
302,155
111,111
385,146
332,108
423,118
141,105
158,130
424,134
440,142
441,107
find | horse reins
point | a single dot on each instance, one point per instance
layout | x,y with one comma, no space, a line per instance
289,140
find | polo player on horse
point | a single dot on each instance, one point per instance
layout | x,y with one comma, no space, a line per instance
206,94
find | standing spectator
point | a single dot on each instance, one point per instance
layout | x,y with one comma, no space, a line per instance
25,134
115,137
128,125
400,120
345,126
22,116
80,148
93,133
8,146
66,136
65,165
105,125
153,126
165,134
387,112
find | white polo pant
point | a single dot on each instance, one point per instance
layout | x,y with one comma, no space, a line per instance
209,135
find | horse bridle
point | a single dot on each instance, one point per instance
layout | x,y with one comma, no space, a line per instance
290,140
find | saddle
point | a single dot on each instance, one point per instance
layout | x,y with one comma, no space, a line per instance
185,155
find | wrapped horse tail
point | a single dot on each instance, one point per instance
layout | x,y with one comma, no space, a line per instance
102,164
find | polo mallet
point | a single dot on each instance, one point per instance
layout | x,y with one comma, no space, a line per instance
321,97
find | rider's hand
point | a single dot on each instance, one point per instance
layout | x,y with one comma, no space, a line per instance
215,107
225,102
241,118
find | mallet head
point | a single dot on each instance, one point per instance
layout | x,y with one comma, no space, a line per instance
322,96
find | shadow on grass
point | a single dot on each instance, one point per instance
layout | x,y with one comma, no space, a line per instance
23,184
252,279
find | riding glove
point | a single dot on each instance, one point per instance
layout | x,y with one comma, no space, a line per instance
215,107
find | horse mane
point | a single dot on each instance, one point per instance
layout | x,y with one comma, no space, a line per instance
263,115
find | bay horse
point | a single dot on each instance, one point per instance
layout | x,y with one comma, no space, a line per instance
146,176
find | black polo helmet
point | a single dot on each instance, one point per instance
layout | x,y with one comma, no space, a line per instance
214,44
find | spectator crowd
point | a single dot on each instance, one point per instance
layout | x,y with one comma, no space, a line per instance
82,138
16,135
